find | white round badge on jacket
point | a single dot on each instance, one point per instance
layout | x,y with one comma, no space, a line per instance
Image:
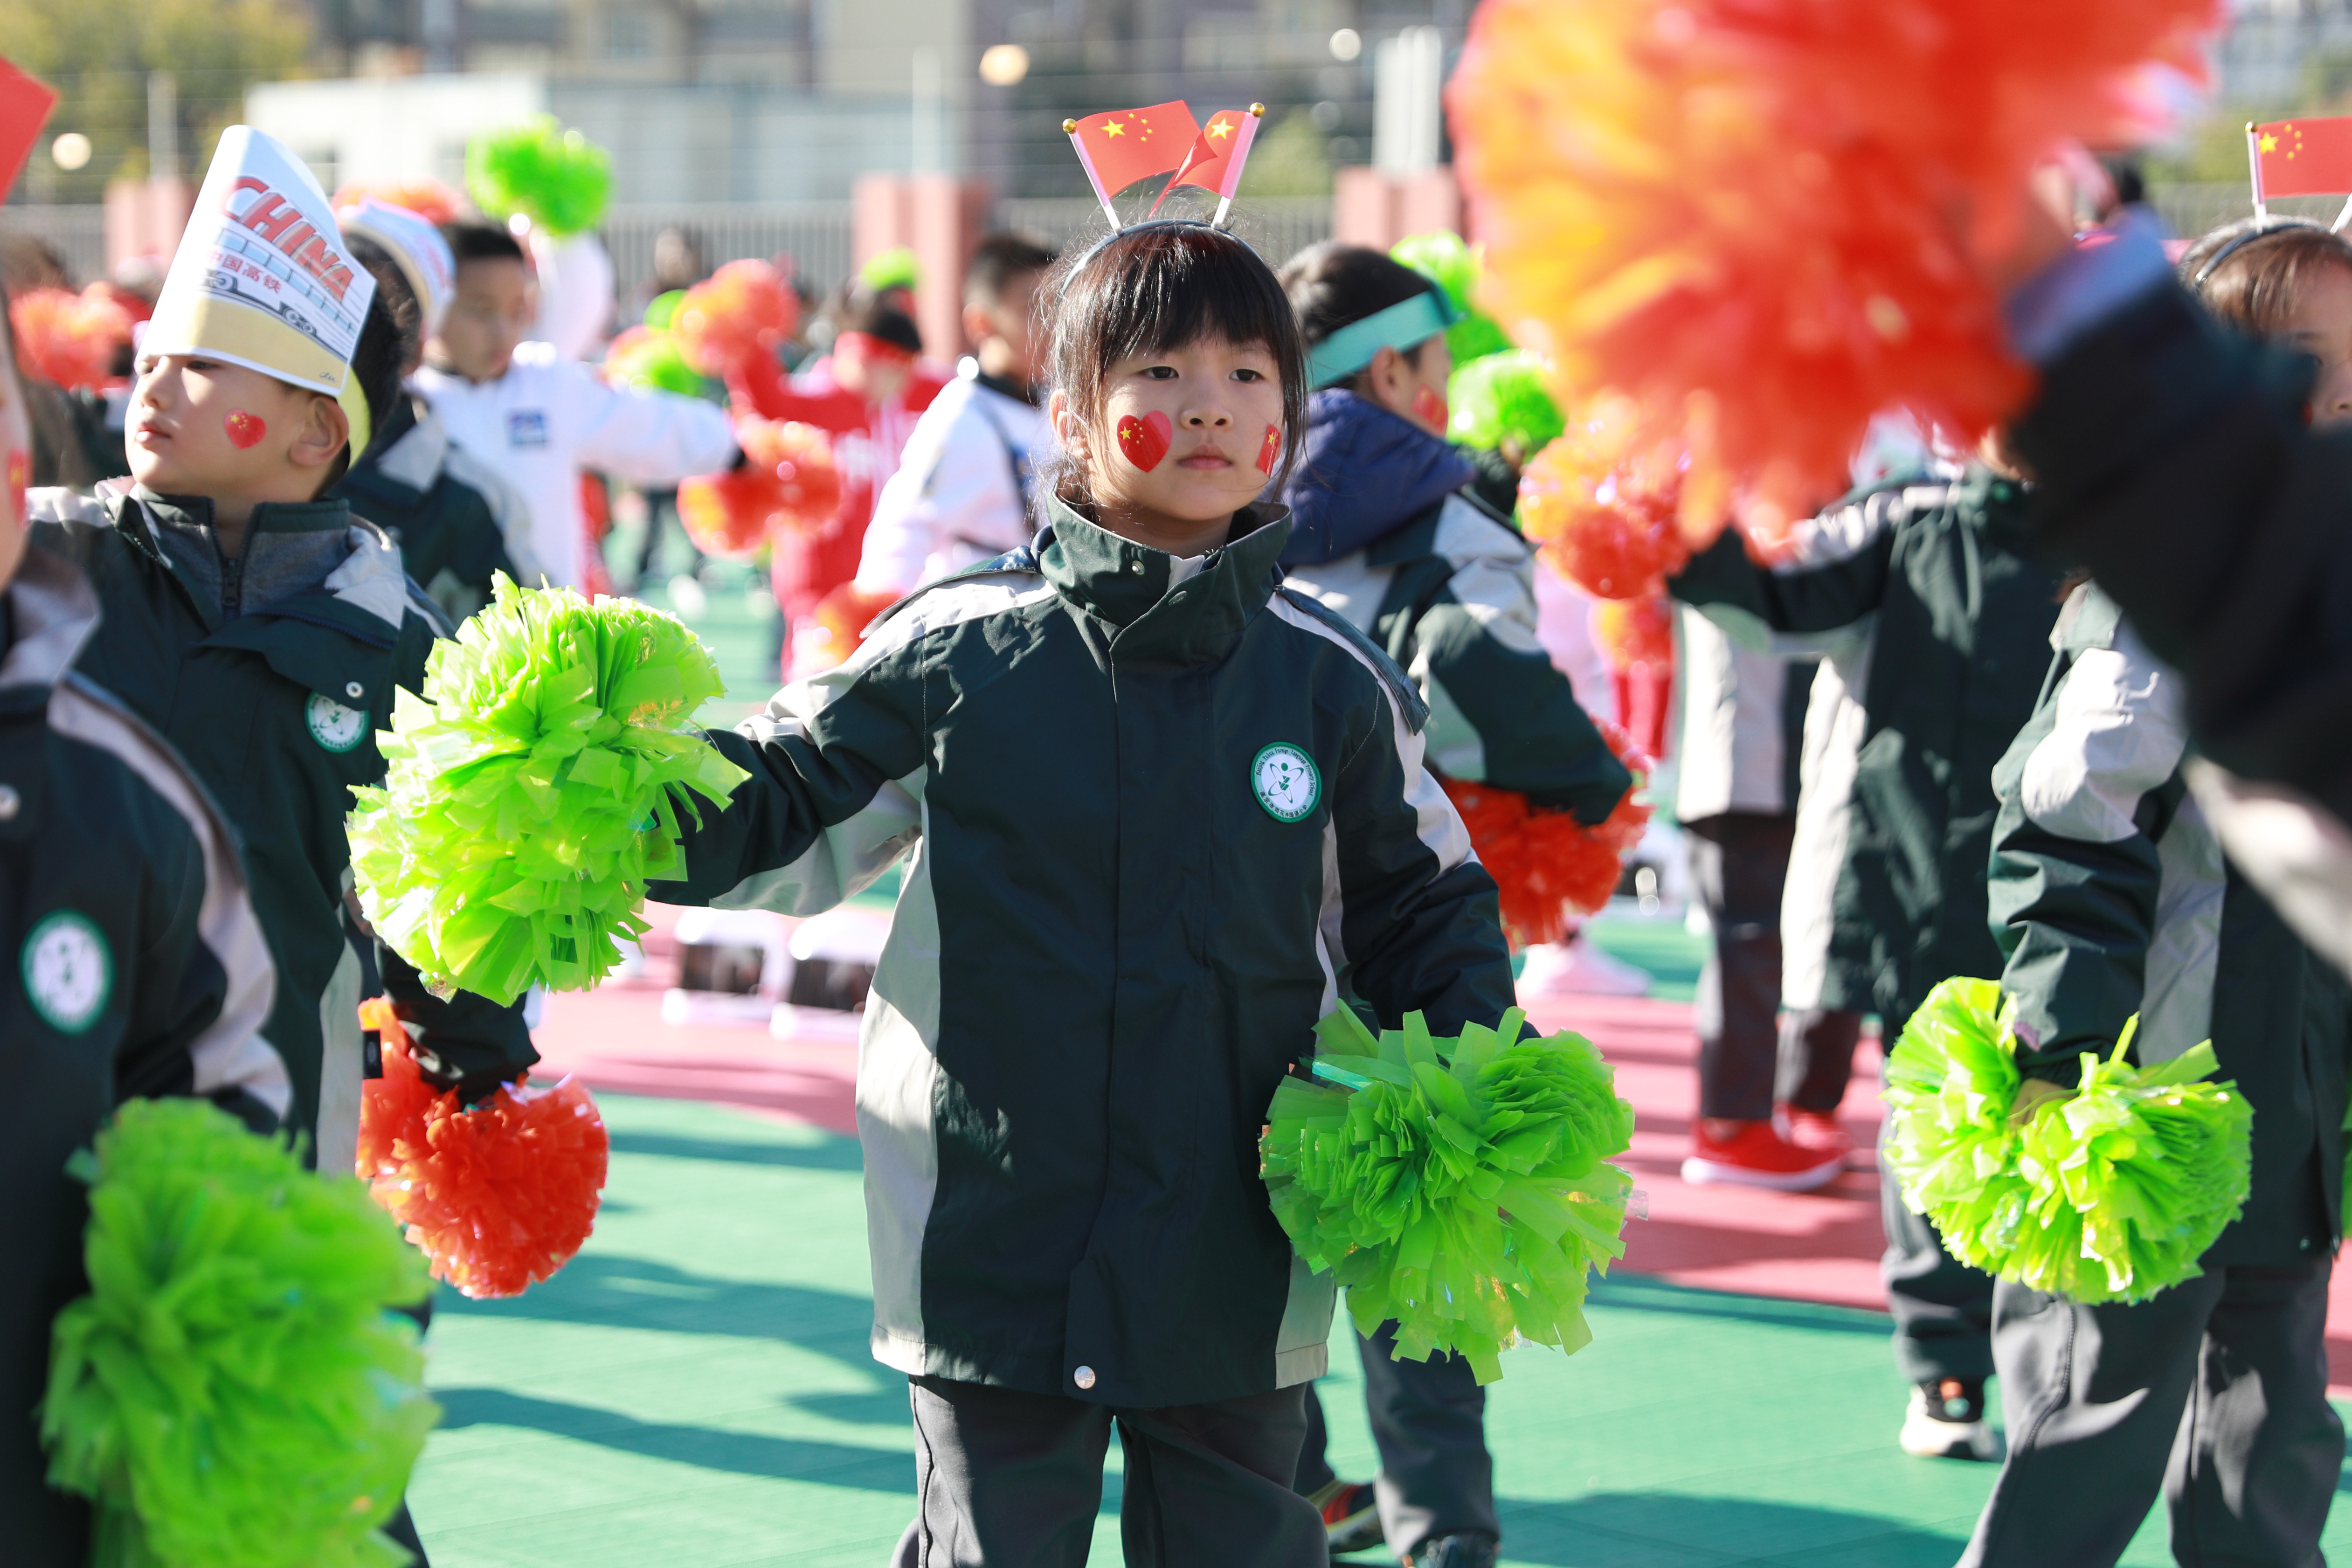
68,973
1286,783
333,726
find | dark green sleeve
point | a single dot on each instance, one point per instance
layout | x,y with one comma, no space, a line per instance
1536,738
1843,583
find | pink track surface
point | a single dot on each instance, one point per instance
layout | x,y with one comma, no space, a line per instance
1814,1247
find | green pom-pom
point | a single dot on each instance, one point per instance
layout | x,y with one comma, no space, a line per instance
2111,1194
2134,1178
654,360
661,310
533,790
894,268
1445,259
1456,1186
233,1393
1503,398
1951,1080
557,178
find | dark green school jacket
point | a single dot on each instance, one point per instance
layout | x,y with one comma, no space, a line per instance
1157,830
134,966
271,676
456,523
1959,646
2110,896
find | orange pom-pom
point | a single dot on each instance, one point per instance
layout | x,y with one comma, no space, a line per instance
1635,633
787,480
843,616
68,339
1549,867
498,1197
428,198
1766,220
1603,505
742,311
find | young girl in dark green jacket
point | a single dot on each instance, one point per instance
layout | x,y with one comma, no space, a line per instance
1164,814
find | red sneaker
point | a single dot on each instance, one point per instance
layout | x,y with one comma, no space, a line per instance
1817,1130
1754,1154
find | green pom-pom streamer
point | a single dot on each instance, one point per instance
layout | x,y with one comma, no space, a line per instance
894,268
654,360
2110,1193
1448,260
557,178
1455,1186
1503,398
661,310
233,1393
533,790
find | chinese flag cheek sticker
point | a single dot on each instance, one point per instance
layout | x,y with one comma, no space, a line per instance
244,429
1270,449
1146,440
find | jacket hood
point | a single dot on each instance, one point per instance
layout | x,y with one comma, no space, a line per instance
1364,474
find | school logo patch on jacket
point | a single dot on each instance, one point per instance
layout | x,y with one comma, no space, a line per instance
1286,783
69,971
333,726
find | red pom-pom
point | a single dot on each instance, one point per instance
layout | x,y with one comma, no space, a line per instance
1549,867
428,198
498,1197
742,311
843,616
1768,221
787,481
68,339
1604,506
1635,633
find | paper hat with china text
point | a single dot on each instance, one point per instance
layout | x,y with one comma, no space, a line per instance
415,247
262,277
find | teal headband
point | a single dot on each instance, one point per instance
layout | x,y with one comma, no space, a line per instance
1355,345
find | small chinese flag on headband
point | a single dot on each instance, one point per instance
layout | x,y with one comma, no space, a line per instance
1220,150
2303,157
1130,144
25,105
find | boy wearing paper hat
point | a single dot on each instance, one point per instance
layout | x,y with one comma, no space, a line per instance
456,521
256,622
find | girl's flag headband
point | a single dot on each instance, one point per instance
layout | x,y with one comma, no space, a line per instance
1121,146
2301,158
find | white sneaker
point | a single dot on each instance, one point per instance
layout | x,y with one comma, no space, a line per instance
1577,968
1951,1427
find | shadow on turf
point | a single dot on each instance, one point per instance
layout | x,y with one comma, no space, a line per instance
1637,1292
834,1154
1644,1530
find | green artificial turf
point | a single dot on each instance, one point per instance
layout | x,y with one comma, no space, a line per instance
695,1390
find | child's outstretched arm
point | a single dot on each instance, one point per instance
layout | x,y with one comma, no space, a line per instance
1837,575
645,437
838,766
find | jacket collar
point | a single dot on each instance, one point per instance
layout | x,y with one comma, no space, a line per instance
1128,584
51,614
295,547
411,448
1364,474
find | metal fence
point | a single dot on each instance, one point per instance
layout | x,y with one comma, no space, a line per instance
816,234
2190,210
77,233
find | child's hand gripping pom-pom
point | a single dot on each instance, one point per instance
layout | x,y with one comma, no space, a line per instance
787,480
1769,220
232,1392
1455,1186
533,790
2110,1192
1549,868
1503,402
1604,507
501,1195
557,178
740,311
2134,1175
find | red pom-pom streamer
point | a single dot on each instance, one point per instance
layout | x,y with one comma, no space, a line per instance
843,616
787,481
1603,505
1769,220
428,198
498,1197
68,339
739,312
1549,867
1635,633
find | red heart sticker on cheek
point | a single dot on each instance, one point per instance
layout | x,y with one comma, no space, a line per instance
1269,451
1146,440
1429,407
244,429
